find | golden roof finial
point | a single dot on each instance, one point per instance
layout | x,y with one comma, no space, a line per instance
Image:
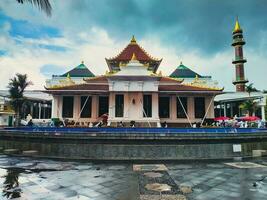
237,26
133,40
181,63
68,76
82,62
133,57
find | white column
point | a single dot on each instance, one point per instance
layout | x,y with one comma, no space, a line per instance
224,109
76,107
40,110
173,108
44,115
210,112
31,111
94,114
263,112
59,106
54,107
262,104
127,104
111,112
191,108
231,108
140,105
155,105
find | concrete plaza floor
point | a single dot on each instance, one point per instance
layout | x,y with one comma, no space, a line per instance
26,178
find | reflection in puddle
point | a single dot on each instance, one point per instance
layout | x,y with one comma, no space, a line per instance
11,184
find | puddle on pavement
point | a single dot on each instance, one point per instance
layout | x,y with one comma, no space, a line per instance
10,184
23,178
10,180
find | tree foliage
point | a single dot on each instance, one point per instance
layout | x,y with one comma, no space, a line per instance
249,106
17,86
250,88
43,5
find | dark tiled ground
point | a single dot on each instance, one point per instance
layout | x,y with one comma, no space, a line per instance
26,179
223,182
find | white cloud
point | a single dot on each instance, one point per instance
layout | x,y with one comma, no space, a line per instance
219,66
27,57
92,44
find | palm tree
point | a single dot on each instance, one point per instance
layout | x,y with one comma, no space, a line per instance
41,4
249,106
16,86
250,88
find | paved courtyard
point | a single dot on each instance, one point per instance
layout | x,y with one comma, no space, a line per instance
30,179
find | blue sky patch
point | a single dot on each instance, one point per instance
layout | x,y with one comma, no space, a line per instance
53,47
49,69
26,29
2,52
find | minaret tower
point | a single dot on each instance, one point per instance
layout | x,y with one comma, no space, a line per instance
239,60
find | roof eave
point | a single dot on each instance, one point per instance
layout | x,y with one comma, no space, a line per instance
156,68
191,91
109,66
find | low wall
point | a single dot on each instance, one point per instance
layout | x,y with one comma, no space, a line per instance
136,146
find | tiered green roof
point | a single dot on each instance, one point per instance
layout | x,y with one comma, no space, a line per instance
79,71
184,72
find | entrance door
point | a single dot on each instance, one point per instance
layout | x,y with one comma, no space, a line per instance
164,107
119,105
102,105
147,105
10,120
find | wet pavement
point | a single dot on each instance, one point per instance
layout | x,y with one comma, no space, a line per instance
30,179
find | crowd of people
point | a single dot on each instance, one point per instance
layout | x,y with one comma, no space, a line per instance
240,124
222,122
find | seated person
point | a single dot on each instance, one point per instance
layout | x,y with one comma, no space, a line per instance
105,119
132,124
165,125
121,124
100,124
30,123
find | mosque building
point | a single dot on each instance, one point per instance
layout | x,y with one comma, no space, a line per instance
133,90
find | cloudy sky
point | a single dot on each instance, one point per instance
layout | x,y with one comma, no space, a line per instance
198,33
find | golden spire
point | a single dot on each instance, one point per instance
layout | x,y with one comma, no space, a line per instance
68,76
133,41
133,57
237,26
82,62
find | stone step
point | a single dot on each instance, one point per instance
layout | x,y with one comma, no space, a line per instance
259,153
30,152
11,151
